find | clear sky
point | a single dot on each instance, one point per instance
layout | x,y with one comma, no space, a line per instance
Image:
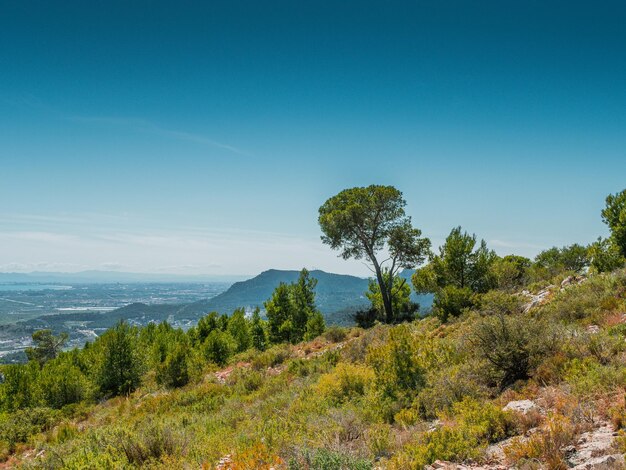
201,137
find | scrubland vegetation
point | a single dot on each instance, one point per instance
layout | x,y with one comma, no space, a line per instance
285,392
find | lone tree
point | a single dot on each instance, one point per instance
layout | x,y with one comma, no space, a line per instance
370,223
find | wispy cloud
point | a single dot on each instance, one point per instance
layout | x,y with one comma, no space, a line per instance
132,123
143,125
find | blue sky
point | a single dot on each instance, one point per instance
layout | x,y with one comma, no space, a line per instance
201,137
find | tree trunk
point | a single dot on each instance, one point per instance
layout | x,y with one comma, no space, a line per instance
384,291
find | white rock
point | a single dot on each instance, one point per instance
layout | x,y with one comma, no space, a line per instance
521,406
606,462
591,445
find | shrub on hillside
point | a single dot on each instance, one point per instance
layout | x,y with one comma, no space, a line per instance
272,357
512,346
346,382
20,426
336,334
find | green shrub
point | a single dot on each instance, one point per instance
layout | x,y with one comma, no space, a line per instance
174,371
218,347
347,381
149,442
323,459
272,357
588,377
336,334
21,425
452,301
396,364
62,383
512,346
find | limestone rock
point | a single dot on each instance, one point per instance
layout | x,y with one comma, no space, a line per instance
521,406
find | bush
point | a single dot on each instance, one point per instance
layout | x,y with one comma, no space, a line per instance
151,441
62,383
548,445
452,301
218,347
471,425
323,459
336,334
23,424
588,377
449,385
346,382
120,367
272,357
396,364
174,371
512,346
447,443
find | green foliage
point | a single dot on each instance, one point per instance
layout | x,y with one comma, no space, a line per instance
459,270
174,370
474,425
63,383
336,334
401,303
451,300
121,366
218,347
47,346
346,382
510,272
588,377
513,346
361,222
19,389
614,215
291,311
258,334
551,262
324,459
239,329
605,256
22,424
396,364
315,326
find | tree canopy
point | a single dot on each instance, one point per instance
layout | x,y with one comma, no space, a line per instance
369,223
458,271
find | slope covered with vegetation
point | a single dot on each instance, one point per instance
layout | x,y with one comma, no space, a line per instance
520,364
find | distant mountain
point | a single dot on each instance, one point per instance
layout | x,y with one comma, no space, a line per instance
105,277
337,295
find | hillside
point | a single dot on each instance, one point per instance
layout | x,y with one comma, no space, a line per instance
533,379
337,295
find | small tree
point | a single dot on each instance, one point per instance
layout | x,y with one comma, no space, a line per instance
459,270
279,310
239,329
364,223
605,255
315,326
218,347
174,370
47,346
614,215
257,331
554,261
121,367
291,311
